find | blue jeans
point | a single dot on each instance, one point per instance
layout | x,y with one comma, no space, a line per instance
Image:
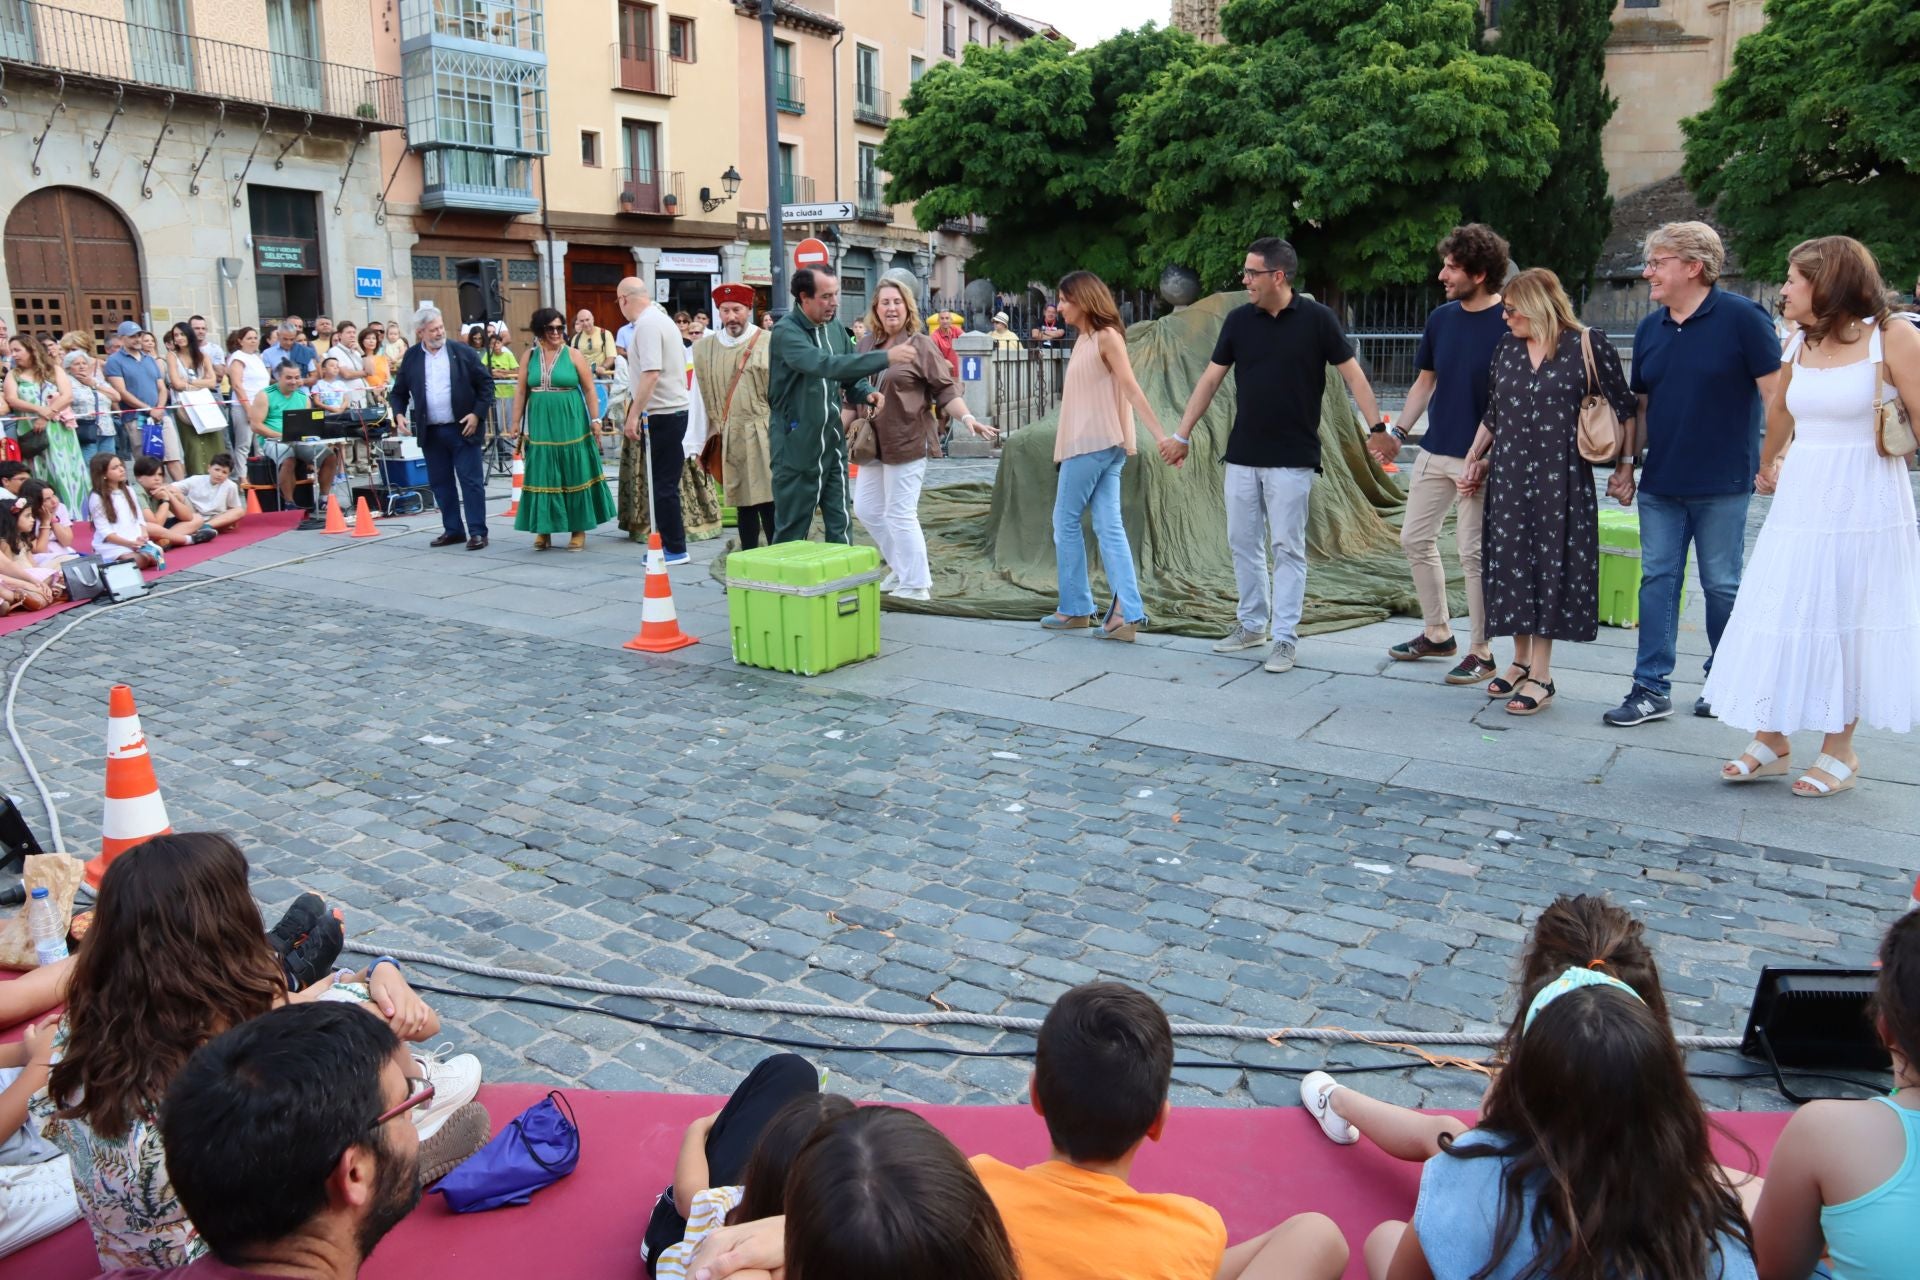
1092,480
1716,525
452,456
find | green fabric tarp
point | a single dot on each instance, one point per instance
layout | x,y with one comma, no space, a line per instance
991,546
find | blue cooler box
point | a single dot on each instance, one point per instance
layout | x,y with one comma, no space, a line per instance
404,473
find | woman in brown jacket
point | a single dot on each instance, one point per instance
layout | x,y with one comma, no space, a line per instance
906,430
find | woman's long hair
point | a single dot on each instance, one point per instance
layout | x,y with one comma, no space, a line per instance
878,330
1597,1120
1845,284
14,542
880,1194
1896,996
1586,932
1089,292
195,357
1537,295
36,364
176,955
34,493
763,1187
102,487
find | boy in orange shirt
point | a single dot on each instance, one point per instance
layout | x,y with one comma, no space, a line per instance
1100,1078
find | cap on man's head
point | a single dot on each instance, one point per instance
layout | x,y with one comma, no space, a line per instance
736,293
128,329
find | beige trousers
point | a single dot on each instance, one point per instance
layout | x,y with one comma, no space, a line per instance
1430,494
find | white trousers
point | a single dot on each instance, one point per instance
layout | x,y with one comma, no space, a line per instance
1267,515
886,498
36,1200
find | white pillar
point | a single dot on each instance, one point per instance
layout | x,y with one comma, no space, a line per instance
553,272
647,258
733,262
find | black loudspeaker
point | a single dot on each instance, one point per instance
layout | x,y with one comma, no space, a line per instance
16,837
1814,1019
480,298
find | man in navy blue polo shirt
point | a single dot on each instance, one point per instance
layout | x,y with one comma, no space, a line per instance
1704,366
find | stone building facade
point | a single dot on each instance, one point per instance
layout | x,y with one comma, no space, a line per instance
158,172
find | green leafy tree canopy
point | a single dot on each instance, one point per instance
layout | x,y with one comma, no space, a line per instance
1817,132
1024,135
1564,222
1348,126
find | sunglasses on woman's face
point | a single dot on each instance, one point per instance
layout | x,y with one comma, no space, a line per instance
556,327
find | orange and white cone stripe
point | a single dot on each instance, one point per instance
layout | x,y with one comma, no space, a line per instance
659,622
1913,902
134,810
519,478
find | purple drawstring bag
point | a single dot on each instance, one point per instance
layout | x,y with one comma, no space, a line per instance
540,1147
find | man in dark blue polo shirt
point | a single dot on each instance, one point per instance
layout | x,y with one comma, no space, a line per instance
1279,346
1455,360
1704,366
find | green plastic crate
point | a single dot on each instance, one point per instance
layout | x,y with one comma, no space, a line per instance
804,607
1620,568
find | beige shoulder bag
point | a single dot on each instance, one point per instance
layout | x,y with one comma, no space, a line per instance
1892,431
1599,439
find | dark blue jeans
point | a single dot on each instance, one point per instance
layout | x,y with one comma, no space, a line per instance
1716,526
453,457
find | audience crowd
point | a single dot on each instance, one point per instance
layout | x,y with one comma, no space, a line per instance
213,1102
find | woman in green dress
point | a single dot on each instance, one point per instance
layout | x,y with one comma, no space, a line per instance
191,369
38,392
565,487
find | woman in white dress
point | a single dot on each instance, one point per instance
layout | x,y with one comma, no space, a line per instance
1826,630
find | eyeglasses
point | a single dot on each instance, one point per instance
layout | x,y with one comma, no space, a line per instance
1247,273
419,1094
1507,309
556,327
1654,262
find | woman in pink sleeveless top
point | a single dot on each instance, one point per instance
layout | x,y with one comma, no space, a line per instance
1096,437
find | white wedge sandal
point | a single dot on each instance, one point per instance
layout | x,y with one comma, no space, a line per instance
1838,770
1769,764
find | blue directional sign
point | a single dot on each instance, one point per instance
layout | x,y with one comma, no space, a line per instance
368,282
970,368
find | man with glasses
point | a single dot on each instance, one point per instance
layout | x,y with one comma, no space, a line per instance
1280,344
1705,364
451,394
290,1146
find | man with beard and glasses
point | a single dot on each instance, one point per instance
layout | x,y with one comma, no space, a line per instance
730,374
289,1145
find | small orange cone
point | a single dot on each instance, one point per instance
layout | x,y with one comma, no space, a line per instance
134,810
336,522
519,474
1390,468
659,625
853,471
1913,902
253,503
363,521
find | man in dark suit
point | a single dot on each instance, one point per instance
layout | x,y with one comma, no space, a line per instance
451,393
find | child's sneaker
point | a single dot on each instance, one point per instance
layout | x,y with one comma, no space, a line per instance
1316,1095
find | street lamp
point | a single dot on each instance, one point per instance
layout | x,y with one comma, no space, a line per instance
730,180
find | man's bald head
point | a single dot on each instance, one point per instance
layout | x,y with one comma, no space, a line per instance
632,296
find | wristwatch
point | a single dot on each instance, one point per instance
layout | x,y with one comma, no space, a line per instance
1384,425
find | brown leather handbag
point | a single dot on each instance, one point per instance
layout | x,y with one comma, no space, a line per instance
1599,438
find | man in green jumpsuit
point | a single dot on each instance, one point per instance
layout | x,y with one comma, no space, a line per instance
811,366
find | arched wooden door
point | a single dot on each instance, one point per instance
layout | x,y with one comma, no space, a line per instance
72,263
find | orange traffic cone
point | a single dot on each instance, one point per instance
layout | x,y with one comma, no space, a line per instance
1913,902
1390,468
853,471
659,625
519,474
336,521
363,521
253,503
134,812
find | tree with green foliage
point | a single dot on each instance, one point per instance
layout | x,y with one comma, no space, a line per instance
1817,132
1352,127
1024,135
1562,223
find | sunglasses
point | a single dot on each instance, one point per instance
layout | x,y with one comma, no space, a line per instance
556,327
419,1094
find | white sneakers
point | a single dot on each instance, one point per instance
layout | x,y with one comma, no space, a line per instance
911,593
1316,1095
455,1082
888,583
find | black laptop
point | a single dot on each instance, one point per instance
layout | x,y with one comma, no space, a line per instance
305,424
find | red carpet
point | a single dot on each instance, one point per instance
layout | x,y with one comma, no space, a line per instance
253,529
1256,1167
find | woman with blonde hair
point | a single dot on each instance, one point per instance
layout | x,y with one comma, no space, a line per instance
906,432
1094,440
1542,524
1826,629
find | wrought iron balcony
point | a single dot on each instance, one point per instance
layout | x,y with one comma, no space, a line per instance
654,192
789,93
485,181
44,40
643,69
506,27
871,105
796,188
947,43
870,201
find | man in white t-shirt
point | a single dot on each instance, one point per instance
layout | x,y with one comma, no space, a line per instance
214,496
657,405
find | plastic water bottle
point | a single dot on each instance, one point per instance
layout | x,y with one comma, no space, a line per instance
43,922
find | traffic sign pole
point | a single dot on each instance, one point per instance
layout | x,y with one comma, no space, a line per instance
776,247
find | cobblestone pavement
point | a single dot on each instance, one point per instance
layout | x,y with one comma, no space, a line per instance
565,808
